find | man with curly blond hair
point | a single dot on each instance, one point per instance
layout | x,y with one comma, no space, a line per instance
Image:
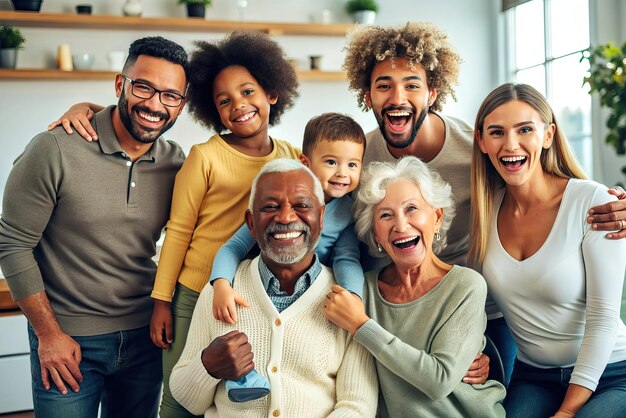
405,75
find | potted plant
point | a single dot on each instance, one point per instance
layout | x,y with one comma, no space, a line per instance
196,8
607,78
27,5
362,11
11,39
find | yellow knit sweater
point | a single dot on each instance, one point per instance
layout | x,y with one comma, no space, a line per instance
210,197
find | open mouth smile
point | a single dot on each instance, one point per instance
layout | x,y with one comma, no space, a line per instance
338,185
150,120
397,120
245,117
281,236
407,243
514,162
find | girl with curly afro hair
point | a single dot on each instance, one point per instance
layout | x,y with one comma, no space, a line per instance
238,87
259,55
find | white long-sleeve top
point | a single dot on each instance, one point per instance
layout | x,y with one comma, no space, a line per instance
562,304
315,368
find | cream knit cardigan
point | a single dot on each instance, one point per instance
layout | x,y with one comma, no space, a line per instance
315,369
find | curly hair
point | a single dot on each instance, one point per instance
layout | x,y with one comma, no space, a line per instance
256,52
418,42
378,175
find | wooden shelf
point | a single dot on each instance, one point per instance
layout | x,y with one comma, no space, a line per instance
74,21
51,74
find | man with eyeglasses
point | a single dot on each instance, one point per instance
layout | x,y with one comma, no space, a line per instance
78,230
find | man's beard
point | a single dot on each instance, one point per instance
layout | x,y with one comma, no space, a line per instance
292,254
138,132
412,135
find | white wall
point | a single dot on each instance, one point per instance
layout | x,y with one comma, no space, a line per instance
26,107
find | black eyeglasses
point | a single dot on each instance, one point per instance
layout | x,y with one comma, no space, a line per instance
144,91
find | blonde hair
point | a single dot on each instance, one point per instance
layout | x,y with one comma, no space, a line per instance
419,42
558,160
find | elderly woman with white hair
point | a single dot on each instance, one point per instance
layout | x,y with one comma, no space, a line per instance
425,319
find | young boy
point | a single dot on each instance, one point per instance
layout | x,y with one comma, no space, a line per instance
332,148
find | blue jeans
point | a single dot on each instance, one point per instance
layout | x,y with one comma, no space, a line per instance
535,392
498,331
121,369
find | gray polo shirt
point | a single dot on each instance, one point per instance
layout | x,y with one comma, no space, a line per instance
81,221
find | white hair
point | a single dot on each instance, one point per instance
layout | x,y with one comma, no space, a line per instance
377,176
285,165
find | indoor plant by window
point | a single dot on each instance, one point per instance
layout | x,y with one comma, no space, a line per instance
11,39
362,11
607,78
196,8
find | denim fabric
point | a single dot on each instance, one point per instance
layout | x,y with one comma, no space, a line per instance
121,370
498,331
536,392
183,303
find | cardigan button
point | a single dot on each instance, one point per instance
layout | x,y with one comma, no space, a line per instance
276,412
278,322
274,369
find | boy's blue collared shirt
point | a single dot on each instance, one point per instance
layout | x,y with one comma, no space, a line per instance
280,299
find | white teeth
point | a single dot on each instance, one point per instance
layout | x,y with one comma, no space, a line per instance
398,114
288,235
513,159
149,118
401,241
245,117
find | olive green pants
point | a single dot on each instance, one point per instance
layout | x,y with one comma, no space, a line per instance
182,308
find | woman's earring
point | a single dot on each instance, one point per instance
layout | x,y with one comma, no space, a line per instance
379,247
437,236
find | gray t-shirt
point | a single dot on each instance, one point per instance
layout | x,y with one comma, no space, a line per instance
453,164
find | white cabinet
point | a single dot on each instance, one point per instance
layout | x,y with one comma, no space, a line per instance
15,386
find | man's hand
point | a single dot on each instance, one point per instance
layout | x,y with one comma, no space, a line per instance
610,216
60,356
344,309
79,116
478,371
161,329
225,299
229,356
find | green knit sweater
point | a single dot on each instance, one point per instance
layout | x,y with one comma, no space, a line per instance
424,347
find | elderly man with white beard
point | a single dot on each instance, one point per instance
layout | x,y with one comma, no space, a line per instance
315,369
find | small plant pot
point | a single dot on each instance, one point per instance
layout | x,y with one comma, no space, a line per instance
83,9
8,57
196,10
364,17
27,5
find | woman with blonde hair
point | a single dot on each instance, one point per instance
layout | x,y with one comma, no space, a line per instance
557,281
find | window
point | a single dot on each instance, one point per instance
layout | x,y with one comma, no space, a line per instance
544,50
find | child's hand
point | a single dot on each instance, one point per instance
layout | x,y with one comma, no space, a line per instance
79,116
224,300
161,323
